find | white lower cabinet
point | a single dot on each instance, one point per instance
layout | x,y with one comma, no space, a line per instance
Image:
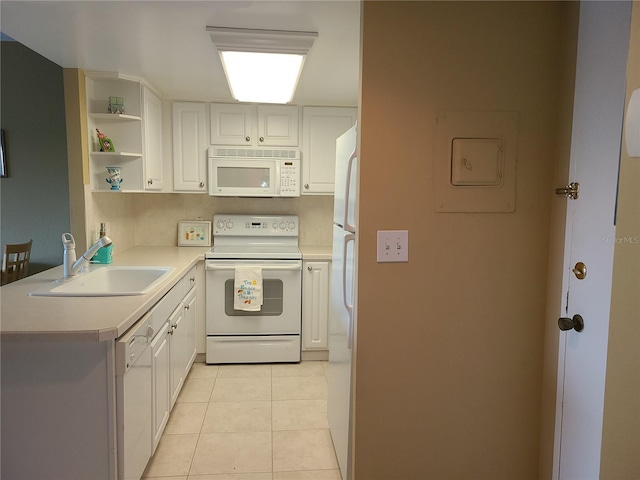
160,383
190,351
315,305
173,350
177,342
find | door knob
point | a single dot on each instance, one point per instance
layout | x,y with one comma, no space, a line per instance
577,323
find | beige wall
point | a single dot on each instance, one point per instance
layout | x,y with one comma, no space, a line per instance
77,156
450,345
621,429
152,219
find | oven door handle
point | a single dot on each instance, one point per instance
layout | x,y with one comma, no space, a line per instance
290,267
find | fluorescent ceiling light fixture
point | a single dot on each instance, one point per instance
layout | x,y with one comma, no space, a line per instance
262,65
262,77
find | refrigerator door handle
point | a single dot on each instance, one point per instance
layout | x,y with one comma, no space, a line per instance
349,307
347,194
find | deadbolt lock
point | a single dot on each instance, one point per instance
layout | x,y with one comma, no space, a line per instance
580,271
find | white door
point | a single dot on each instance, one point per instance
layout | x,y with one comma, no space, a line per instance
603,42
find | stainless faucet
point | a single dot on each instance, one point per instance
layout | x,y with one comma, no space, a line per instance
69,262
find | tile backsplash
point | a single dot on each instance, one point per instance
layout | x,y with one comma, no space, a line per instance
152,218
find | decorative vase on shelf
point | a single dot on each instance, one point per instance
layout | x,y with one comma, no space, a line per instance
115,177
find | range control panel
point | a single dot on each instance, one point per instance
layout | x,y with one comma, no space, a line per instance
255,225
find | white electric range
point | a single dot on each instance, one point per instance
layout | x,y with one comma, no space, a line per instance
266,246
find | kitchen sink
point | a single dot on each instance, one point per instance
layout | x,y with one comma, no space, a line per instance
107,281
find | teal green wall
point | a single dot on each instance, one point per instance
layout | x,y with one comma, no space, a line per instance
34,199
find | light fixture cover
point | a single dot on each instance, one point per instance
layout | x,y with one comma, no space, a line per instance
262,77
262,65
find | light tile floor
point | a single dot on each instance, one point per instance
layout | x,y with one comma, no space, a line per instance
248,422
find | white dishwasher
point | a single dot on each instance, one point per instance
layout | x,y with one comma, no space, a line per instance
133,399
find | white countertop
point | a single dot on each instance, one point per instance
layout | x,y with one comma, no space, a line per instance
316,252
88,318
29,318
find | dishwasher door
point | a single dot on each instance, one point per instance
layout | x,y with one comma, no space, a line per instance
133,390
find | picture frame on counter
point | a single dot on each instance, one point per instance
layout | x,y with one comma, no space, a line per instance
194,233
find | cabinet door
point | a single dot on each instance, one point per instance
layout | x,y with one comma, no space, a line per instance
152,120
278,125
189,321
315,305
189,147
160,405
321,126
177,352
233,124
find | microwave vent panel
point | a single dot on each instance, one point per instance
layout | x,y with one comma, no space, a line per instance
254,153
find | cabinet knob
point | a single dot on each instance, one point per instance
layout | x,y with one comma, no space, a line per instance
150,181
306,185
262,139
247,139
309,268
201,184
186,307
192,279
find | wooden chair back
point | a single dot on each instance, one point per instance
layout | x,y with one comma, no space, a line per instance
15,261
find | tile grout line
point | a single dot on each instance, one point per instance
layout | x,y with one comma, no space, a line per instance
193,456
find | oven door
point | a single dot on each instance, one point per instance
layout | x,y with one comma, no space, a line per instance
281,311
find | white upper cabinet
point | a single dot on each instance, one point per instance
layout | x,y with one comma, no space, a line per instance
152,120
321,127
254,125
278,125
189,147
135,133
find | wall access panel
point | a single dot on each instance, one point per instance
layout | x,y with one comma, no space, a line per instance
475,161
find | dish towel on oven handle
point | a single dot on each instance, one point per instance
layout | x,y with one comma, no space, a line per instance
248,289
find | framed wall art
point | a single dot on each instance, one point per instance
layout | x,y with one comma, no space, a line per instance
194,233
3,157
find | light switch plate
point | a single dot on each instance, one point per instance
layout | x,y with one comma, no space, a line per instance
393,246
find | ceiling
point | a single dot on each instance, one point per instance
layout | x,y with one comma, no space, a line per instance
166,44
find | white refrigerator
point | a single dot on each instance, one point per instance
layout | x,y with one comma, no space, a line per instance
341,313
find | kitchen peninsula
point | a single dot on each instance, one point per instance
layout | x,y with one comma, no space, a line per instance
59,397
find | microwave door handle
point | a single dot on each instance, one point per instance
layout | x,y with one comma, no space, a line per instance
347,194
278,179
348,306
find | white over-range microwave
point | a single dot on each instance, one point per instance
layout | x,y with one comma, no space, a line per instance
242,172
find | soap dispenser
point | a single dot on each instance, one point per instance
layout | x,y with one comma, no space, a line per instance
104,255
